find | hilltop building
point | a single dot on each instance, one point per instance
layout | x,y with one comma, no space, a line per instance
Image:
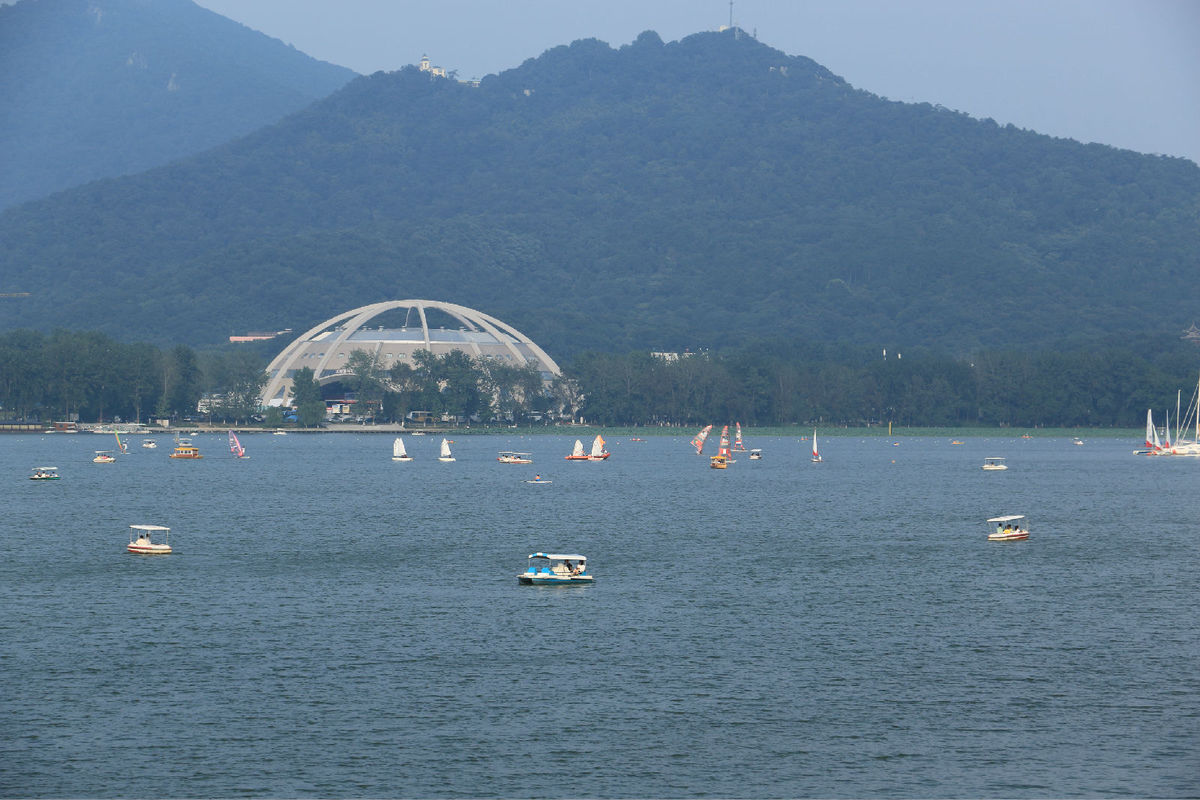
425,66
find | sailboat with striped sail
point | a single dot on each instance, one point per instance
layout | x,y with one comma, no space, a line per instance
816,454
722,460
699,439
738,445
235,446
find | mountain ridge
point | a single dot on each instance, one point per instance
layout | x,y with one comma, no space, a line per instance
600,197
98,88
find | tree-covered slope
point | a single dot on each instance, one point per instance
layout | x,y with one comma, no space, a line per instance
661,195
95,88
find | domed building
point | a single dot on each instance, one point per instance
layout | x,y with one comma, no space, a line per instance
393,331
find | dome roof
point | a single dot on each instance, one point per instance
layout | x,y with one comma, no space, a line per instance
326,348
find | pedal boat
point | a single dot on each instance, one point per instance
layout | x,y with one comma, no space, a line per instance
142,540
555,569
1011,528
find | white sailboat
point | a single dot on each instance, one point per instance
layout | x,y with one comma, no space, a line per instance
577,454
816,454
445,456
598,452
1180,446
398,451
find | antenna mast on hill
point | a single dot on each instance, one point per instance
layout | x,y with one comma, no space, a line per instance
736,33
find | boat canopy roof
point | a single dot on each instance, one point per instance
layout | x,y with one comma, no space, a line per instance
39,469
149,528
559,556
1009,518
513,453
994,458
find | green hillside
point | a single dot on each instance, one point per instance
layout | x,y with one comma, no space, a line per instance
692,194
96,88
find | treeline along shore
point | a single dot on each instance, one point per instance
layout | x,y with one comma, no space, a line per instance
93,378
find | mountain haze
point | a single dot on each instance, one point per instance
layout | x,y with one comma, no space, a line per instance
96,88
661,195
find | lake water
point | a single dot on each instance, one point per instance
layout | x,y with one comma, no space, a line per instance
333,623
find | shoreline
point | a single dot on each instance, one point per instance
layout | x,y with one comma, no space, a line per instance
874,431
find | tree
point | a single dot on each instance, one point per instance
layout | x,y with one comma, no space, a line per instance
366,379
182,382
306,395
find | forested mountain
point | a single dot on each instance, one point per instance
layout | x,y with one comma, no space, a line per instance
96,88
661,195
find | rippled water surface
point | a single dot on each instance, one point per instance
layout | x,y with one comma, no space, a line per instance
335,624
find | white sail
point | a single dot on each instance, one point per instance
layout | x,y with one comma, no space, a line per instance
398,449
578,452
598,448
445,456
816,454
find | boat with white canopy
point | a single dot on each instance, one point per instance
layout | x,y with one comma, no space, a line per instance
993,464
555,569
149,540
1010,528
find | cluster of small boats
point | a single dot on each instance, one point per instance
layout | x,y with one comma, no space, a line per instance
598,453
399,453
725,449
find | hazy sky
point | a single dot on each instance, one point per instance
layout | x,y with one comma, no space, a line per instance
1121,72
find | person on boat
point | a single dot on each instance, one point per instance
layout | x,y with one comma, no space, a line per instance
537,477
575,570
999,529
